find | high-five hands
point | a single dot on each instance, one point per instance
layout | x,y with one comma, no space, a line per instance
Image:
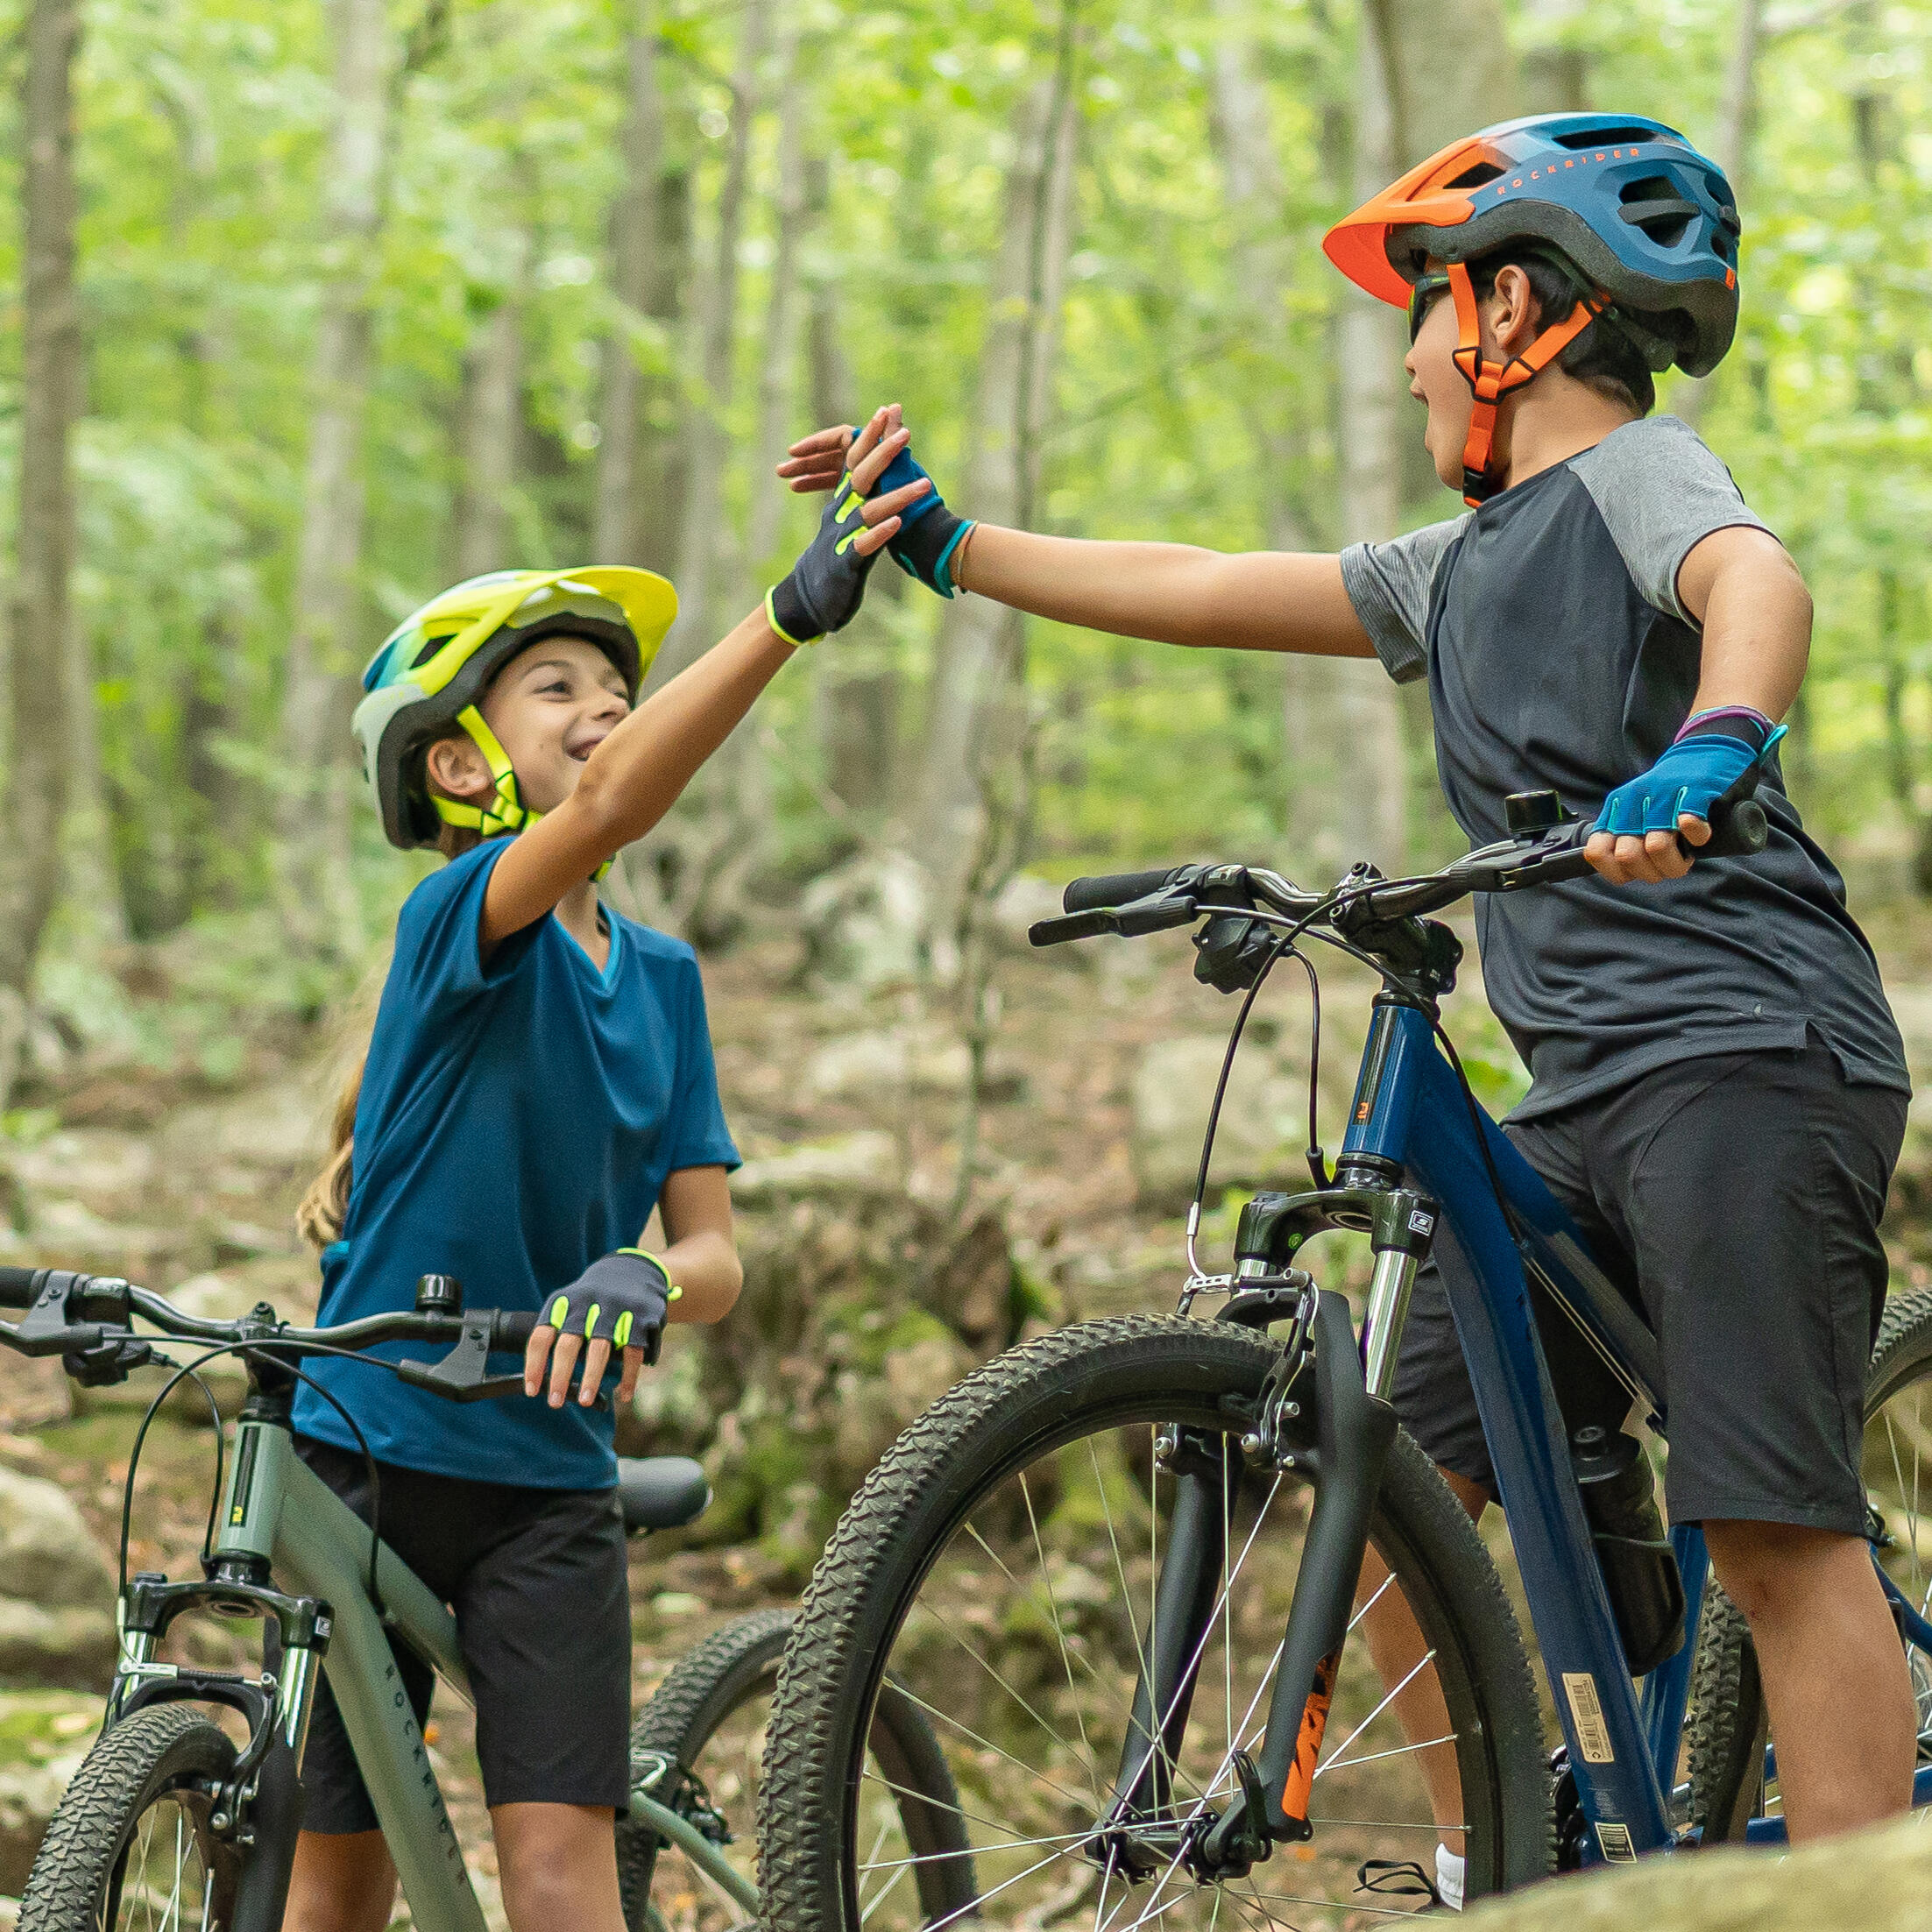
828,583
929,536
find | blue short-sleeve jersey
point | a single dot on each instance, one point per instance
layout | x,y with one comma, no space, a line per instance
517,1119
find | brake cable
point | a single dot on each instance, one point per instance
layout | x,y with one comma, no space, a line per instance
189,1371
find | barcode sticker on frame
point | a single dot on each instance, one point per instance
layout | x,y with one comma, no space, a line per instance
1593,1737
1614,1839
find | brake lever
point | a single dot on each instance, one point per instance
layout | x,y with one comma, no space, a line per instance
463,1374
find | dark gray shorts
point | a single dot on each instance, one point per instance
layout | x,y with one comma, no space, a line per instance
539,1584
1735,1199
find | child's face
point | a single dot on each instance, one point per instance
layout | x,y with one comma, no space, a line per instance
1434,379
550,708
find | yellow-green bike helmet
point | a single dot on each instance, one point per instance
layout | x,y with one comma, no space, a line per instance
433,668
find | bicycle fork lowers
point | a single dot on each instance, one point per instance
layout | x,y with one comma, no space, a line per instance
1354,1425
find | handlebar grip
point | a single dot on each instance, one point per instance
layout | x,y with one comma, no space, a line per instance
511,1331
17,1287
1740,833
1113,889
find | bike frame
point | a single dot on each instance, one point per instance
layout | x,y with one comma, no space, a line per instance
1410,1111
276,1510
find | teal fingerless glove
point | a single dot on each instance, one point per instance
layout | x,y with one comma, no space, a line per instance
1716,759
929,533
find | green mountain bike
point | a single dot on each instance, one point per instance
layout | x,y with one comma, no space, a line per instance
170,1824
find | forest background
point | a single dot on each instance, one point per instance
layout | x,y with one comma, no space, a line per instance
313,307
321,307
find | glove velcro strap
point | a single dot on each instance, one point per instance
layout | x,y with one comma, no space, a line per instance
788,617
672,1292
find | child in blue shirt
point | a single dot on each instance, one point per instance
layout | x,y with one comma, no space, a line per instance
538,1079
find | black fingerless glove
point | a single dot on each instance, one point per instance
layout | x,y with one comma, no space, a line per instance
929,533
827,584
622,1299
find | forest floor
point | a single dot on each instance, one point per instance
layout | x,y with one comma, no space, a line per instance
192,1192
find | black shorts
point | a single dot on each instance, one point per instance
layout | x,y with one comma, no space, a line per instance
539,1583
1735,1199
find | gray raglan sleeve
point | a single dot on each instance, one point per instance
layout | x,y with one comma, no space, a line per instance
1661,493
1388,584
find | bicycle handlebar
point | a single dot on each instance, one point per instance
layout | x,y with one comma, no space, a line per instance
81,1315
1130,903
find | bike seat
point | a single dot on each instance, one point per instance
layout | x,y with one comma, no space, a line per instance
661,1492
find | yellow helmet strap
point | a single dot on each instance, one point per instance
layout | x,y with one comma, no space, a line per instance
507,812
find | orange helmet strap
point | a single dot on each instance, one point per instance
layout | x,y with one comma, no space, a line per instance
1491,381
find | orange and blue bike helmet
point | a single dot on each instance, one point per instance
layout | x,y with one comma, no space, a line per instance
1648,225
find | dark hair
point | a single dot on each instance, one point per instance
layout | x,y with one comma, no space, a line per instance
1604,356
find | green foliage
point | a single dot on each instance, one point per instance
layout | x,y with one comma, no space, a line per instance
1177,411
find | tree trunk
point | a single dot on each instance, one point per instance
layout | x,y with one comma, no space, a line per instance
313,817
973,740
1556,69
779,356
703,550
1737,122
855,688
49,397
689,873
1427,72
637,242
489,430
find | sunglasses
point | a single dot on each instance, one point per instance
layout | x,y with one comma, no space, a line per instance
1422,298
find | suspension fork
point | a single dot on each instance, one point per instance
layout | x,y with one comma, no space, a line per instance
1355,1423
1208,1472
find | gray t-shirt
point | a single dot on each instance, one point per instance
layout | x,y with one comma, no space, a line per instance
1559,658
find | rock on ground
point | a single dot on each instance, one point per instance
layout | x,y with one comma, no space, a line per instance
1263,1120
43,1737
1875,1881
57,1614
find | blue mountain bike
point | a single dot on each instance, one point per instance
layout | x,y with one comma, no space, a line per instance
1119,1568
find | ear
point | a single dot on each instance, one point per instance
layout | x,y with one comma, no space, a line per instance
1513,314
457,769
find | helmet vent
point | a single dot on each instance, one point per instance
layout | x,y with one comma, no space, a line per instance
1476,176
1657,207
1610,137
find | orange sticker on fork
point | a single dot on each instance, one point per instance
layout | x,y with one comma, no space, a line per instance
1296,1793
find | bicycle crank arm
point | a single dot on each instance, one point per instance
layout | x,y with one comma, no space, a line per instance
1355,1431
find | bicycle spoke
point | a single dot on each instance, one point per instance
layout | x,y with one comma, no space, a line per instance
1059,1636
973,1817
940,1857
1342,1748
1010,1690
987,1743
1376,1756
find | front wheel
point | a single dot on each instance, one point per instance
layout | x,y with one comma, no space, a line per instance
1002,1567
131,1848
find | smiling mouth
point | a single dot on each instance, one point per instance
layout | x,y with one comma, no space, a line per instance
581,753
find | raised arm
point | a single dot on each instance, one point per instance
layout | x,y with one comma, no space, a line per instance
1174,593
636,773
